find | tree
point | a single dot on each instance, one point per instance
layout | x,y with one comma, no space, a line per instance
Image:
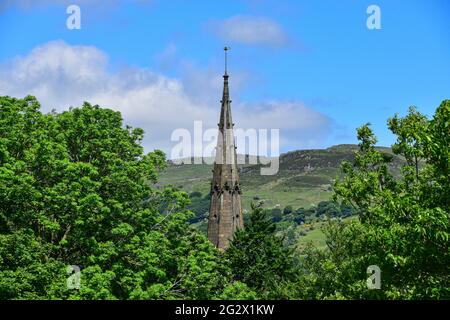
258,257
195,194
409,131
346,210
404,225
288,210
328,208
77,189
199,205
277,215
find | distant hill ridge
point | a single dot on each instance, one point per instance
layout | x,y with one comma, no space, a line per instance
305,177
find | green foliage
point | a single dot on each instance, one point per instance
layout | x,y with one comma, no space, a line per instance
77,189
404,224
328,208
237,291
258,257
288,210
199,206
276,214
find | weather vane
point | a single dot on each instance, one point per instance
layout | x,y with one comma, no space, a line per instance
226,57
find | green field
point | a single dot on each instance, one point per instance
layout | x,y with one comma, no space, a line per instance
305,177
316,237
304,180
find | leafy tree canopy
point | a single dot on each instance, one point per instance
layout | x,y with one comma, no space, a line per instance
404,225
77,189
258,257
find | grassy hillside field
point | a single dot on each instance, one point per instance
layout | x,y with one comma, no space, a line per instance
305,178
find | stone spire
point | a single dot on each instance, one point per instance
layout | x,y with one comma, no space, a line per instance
225,214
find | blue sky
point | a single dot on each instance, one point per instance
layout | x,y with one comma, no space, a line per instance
310,68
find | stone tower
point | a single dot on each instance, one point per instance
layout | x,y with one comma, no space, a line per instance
225,214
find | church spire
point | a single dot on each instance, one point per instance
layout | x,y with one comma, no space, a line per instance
225,214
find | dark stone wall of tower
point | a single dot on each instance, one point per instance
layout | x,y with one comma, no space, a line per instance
225,214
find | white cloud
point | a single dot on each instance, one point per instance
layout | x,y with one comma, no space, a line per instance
250,30
61,75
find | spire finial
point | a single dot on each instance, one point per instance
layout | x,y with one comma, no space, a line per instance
226,58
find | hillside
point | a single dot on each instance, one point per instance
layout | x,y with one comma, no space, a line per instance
296,198
304,179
